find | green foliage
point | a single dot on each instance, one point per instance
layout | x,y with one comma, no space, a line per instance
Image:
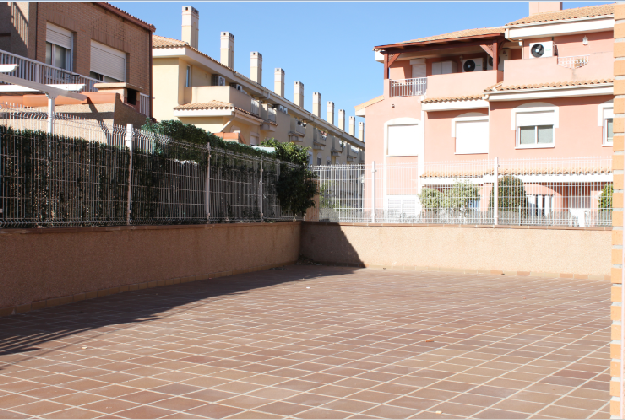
325,202
458,198
296,186
511,195
605,200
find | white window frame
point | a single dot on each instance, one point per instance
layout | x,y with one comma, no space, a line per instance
530,109
603,120
402,121
187,82
469,118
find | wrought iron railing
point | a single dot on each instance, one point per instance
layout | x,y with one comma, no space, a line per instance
573,61
409,87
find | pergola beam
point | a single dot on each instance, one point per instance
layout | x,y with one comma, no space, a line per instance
50,91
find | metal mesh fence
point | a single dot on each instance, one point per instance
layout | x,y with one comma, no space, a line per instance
80,176
541,192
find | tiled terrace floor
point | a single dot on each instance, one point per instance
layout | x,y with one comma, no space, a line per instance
316,342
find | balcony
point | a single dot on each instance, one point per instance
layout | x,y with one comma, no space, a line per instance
408,87
559,69
337,147
319,139
268,113
226,94
462,84
297,130
36,71
352,154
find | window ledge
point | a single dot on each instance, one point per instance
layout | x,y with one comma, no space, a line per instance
535,147
472,153
608,145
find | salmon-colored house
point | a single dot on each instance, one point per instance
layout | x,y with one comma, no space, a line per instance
538,87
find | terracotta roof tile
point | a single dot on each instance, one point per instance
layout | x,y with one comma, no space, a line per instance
475,97
162,42
459,34
214,105
576,13
500,87
369,102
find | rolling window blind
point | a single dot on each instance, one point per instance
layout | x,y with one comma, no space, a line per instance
471,137
535,118
58,36
108,61
402,140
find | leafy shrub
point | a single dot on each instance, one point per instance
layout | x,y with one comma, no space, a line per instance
511,195
605,200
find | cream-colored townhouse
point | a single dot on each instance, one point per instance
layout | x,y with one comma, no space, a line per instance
197,89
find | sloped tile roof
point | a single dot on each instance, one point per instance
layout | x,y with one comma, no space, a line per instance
475,97
163,42
499,87
576,13
458,34
369,102
213,105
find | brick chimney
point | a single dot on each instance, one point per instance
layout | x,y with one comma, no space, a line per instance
537,7
256,67
341,119
190,18
226,56
298,94
330,113
278,82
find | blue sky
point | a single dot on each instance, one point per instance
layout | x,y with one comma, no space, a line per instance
326,45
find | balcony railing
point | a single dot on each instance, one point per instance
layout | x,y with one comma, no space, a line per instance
36,71
144,104
255,107
409,87
574,61
271,114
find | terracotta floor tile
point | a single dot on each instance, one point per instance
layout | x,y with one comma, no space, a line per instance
39,408
320,413
215,410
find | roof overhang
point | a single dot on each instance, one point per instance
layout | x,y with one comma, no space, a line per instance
454,105
599,89
554,28
395,48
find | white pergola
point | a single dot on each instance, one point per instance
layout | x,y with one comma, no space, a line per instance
51,91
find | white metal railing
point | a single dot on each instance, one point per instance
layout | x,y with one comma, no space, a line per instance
255,106
573,61
540,192
409,87
144,104
46,74
271,114
300,128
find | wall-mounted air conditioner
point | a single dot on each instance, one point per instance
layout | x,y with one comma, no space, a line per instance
504,55
472,64
541,49
218,80
238,87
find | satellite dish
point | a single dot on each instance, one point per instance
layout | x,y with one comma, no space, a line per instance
538,50
468,65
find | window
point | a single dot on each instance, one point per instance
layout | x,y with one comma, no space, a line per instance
471,135
535,129
253,139
107,64
318,161
187,82
607,120
402,140
58,47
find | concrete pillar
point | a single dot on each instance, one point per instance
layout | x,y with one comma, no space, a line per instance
256,67
361,131
341,119
330,113
190,28
316,106
278,82
226,52
352,125
298,94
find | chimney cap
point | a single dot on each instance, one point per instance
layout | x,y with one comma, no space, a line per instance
193,9
278,69
256,53
299,83
227,34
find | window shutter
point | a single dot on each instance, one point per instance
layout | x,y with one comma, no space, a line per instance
535,118
472,137
58,36
108,61
402,140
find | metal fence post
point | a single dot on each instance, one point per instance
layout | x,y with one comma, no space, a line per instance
260,189
129,195
496,186
373,192
208,184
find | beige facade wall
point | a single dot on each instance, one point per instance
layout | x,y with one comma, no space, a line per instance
62,265
544,251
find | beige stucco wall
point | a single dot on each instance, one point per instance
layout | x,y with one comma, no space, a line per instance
52,263
558,251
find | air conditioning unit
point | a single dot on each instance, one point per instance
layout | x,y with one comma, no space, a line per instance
505,55
541,49
473,64
238,87
218,80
